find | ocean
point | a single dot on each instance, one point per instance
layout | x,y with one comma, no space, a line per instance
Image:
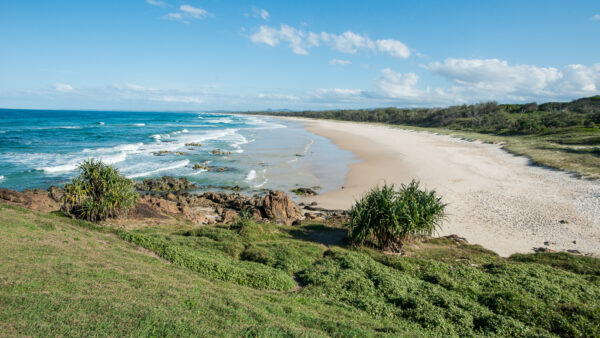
40,148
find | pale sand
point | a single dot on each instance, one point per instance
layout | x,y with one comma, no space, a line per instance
495,199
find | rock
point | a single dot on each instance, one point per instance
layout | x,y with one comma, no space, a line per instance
313,203
171,197
228,216
541,249
181,153
56,193
313,208
573,251
279,207
35,199
162,153
199,166
160,205
193,144
13,196
562,221
297,222
574,242
143,210
548,243
304,192
220,170
220,152
35,191
166,183
193,215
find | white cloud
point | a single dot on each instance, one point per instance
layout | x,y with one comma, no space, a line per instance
155,2
338,62
394,47
347,42
178,99
399,86
260,13
596,17
493,78
272,37
187,12
337,95
63,87
264,14
193,12
275,96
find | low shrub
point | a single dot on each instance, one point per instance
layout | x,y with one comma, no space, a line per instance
214,264
99,192
385,217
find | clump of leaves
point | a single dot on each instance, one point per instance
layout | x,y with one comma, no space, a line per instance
385,216
99,192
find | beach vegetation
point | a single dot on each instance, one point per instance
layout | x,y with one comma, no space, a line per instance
70,277
65,276
385,217
98,192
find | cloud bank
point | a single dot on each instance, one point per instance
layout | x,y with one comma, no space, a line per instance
348,42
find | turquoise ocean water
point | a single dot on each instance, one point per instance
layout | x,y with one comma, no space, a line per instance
39,148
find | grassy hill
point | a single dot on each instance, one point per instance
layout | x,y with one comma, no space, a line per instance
64,277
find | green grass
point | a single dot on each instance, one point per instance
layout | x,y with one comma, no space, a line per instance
65,277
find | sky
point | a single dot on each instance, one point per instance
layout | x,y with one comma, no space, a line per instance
238,55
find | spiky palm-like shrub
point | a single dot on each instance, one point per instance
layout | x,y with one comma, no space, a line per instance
385,217
98,192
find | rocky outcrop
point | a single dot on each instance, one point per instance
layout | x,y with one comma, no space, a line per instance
276,205
166,183
34,199
155,207
280,207
304,192
56,193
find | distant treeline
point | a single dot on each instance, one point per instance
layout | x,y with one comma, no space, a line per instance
489,117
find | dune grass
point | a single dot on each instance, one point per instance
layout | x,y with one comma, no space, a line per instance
65,277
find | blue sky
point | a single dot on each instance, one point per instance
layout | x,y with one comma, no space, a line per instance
206,55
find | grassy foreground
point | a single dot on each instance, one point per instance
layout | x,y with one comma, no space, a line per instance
64,277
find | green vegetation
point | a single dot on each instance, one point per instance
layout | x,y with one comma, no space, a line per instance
98,192
61,276
560,135
386,217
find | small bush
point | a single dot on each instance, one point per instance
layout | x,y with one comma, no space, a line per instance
98,192
385,217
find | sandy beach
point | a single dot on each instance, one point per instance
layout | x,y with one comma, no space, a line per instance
495,199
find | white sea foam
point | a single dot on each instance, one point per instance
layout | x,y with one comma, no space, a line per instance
261,184
197,172
59,168
73,164
128,147
156,137
2,178
174,165
100,123
251,175
220,120
139,124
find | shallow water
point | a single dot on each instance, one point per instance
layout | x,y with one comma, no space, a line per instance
39,148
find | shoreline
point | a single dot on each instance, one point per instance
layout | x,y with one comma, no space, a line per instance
496,199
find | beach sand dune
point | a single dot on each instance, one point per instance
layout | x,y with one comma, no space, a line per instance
495,199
